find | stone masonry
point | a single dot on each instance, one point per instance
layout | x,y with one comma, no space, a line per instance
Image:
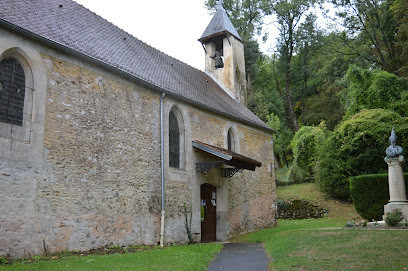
97,181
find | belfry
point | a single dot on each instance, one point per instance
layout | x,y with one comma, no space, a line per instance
224,55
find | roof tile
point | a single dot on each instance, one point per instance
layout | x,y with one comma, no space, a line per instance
79,29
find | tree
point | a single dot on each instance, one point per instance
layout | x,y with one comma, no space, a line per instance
371,30
399,9
375,89
356,147
289,15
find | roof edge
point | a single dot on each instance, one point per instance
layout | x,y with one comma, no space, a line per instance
139,80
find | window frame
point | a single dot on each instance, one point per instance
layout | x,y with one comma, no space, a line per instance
230,140
26,144
13,131
181,132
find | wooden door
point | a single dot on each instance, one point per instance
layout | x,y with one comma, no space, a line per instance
208,212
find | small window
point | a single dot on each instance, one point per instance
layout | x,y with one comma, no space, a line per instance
12,92
219,47
230,140
174,141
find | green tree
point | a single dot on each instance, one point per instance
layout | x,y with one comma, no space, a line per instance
289,15
304,144
356,147
371,30
399,9
375,89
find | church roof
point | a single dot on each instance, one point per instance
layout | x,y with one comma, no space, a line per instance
220,23
68,26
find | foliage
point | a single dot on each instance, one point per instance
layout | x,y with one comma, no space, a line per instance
3,261
357,147
265,99
299,209
304,148
324,106
281,138
370,193
399,9
393,217
371,30
375,89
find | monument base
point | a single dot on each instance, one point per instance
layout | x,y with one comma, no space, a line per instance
383,224
402,206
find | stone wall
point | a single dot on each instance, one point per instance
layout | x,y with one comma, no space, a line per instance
245,202
97,180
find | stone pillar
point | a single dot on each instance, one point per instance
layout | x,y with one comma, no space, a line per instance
398,196
396,179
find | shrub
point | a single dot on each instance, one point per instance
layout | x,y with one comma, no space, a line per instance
370,193
3,261
298,209
392,218
303,147
368,89
357,147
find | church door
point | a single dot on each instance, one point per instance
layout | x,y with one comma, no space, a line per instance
208,212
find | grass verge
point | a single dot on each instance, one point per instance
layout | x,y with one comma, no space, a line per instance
183,257
321,244
301,245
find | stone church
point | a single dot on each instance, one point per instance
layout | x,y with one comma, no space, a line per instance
105,140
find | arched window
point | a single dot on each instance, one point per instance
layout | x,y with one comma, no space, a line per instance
174,141
12,92
230,140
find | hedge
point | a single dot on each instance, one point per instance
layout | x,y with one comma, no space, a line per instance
370,193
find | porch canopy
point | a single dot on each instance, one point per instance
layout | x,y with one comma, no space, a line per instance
235,161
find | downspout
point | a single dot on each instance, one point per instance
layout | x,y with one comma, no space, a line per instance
163,205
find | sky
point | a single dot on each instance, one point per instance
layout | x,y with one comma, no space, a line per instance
172,27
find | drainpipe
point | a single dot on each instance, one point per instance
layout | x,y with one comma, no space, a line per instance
163,205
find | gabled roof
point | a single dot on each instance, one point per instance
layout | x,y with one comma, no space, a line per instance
68,26
220,23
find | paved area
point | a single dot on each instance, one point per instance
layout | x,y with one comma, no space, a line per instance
241,257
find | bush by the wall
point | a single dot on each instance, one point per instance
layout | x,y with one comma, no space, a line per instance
370,193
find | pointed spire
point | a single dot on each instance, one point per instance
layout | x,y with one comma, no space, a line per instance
219,24
220,4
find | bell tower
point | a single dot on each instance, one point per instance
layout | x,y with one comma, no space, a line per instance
224,55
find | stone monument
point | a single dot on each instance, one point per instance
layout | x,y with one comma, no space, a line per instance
394,159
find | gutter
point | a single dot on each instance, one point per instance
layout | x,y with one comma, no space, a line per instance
123,73
163,202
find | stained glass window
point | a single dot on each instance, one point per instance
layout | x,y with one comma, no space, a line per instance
174,141
12,92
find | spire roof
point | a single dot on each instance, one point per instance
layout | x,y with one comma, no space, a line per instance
220,23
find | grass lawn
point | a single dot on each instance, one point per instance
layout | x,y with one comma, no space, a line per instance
298,245
183,257
310,245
